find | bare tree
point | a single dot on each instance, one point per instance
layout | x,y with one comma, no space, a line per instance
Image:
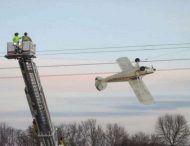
173,130
11,136
7,135
116,135
22,138
32,136
93,133
72,134
155,141
139,139
86,133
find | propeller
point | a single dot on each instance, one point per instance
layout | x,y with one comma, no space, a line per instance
153,68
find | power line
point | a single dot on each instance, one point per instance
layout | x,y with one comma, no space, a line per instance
111,51
63,65
93,73
108,51
170,53
100,63
172,69
114,47
163,60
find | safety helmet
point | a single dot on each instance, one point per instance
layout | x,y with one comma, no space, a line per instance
16,34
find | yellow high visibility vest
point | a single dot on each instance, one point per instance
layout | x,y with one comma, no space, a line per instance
16,40
26,38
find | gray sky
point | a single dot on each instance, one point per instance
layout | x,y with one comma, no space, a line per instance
79,24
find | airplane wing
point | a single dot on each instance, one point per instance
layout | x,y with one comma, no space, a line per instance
125,64
141,91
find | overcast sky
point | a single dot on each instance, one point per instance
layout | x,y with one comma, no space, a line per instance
80,24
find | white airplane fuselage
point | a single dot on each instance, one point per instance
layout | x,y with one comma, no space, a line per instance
128,75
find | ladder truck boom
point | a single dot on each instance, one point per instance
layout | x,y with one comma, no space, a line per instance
34,92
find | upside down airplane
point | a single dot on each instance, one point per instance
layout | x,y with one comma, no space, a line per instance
133,74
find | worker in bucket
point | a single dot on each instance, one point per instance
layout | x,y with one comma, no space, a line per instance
26,38
16,41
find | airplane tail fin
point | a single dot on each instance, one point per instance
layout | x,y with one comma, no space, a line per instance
100,84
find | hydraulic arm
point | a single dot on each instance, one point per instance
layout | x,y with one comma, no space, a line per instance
34,93
37,102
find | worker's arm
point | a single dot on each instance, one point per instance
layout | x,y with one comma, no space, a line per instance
13,39
30,39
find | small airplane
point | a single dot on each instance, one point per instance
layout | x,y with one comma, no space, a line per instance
133,74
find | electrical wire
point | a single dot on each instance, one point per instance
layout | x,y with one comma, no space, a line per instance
170,53
173,69
115,51
93,73
100,63
114,47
